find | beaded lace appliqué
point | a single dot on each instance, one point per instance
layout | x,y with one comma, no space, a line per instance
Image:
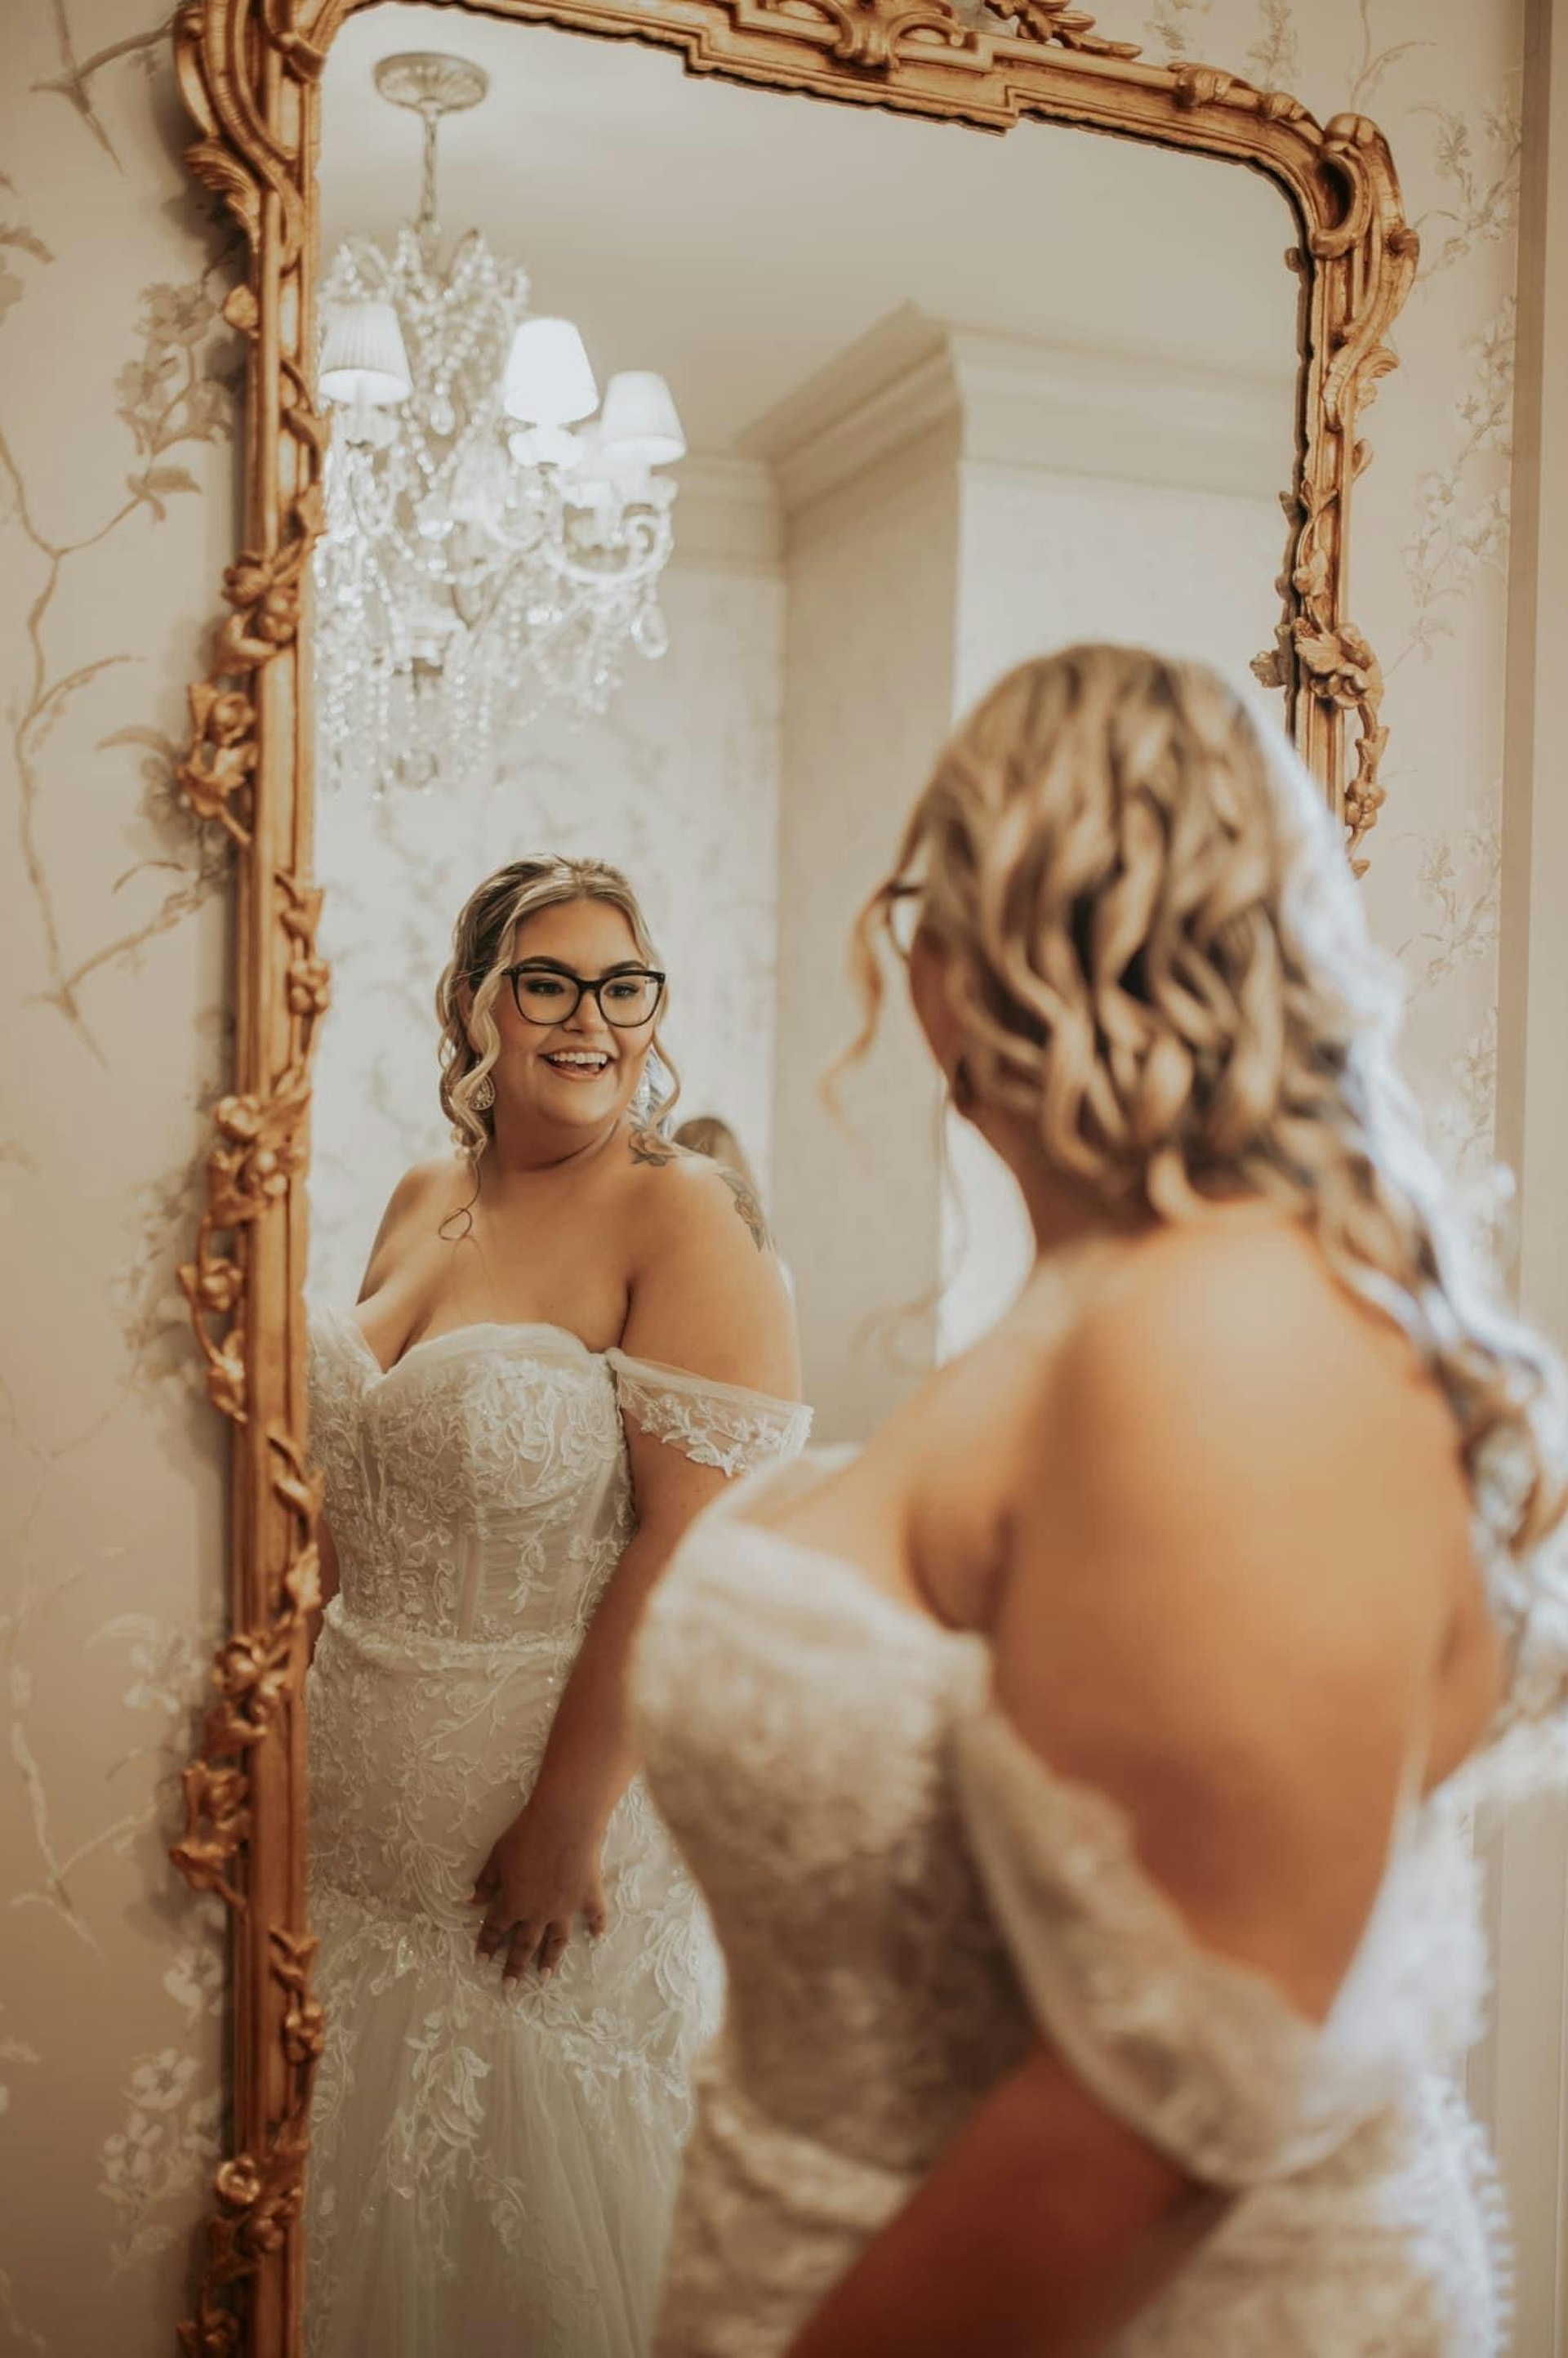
493,2165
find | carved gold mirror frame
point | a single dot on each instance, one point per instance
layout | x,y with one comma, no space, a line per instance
251,72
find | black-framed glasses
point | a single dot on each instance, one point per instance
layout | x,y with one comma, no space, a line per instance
551,994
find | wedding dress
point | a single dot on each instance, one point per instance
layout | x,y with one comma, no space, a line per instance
491,2166
906,1896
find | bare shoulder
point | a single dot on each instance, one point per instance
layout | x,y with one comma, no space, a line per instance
436,1181
689,1195
1218,1340
422,1199
435,1187
1234,1491
1240,1531
707,1290
1227,1423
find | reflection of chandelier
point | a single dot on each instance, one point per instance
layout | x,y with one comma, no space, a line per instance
486,551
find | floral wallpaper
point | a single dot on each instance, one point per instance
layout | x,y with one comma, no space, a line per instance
117,410
1428,585
117,515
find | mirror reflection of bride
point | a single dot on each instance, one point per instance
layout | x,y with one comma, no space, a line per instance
569,1337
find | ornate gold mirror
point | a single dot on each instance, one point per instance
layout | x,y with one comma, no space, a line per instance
887,405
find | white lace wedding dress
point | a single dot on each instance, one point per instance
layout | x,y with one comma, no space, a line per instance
906,1896
492,2168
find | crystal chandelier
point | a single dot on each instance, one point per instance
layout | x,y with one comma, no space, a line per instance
492,545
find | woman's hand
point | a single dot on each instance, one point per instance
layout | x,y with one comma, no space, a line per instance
539,1878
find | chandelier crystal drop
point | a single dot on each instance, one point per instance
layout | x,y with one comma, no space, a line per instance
491,546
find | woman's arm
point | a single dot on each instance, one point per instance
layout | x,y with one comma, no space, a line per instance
1043,2230
708,1300
1230,1579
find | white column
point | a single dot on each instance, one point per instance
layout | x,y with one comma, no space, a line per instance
866,459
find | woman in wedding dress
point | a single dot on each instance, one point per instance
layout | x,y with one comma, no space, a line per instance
568,1336
1096,1746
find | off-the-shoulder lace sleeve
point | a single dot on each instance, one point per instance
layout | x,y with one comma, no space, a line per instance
1197,2053
723,1426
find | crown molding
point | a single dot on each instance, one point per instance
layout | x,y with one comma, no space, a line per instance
727,517
1016,403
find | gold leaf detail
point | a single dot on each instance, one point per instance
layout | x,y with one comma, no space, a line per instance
1059,21
1201,85
240,309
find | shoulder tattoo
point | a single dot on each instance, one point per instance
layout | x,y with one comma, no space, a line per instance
748,1208
648,1147
656,1153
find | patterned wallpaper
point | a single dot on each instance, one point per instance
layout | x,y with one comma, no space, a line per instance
1429,582
116,511
117,515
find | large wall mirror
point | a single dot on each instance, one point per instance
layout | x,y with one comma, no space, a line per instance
820,417
920,444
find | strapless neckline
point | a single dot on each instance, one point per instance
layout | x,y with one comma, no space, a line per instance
727,1513
768,1615
513,1327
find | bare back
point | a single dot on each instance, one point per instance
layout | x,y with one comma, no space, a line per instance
929,1511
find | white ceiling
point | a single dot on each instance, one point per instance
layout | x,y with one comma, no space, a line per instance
737,240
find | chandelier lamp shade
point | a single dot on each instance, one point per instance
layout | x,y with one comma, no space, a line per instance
549,380
364,357
494,533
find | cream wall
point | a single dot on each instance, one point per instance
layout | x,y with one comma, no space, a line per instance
1079,493
114,977
117,517
1047,558
867,693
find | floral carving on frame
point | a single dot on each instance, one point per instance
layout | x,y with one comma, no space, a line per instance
250,70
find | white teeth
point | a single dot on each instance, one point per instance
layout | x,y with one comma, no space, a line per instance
591,1064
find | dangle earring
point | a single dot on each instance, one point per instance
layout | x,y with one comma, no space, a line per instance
649,1091
484,1095
961,1089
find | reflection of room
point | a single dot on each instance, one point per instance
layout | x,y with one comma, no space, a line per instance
911,464
953,501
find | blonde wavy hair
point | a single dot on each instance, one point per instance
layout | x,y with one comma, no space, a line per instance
1160,965
481,951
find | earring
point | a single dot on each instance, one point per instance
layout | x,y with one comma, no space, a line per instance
649,1090
961,1089
484,1095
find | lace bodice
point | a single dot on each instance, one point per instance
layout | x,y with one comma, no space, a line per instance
906,1896
479,1489
492,2164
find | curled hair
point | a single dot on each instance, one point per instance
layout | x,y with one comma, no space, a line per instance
1161,967
481,949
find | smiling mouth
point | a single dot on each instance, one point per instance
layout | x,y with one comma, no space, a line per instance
578,1064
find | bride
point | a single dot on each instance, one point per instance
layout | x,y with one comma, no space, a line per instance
569,1335
1102,1987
